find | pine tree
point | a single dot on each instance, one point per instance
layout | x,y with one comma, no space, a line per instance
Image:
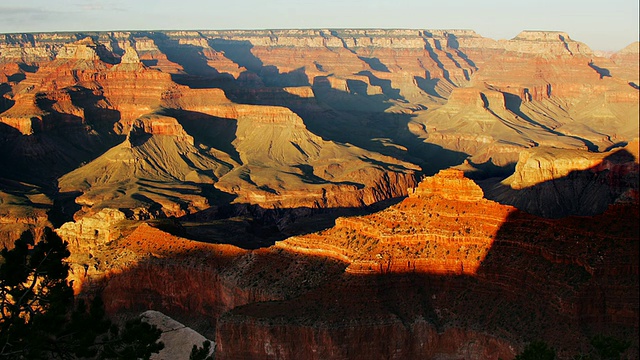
202,353
38,318
537,350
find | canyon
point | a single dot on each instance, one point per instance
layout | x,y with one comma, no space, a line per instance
338,193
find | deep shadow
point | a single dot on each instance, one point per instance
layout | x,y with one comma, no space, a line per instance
357,87
434,57
565,44
514,102
99,117
28,68
374,63
257,227
561,281
355,100
198,72
5,102
384,84
452,42
211,131
16,78
601,71
428,85
105,54
64,207
60,143
240,53
308,176
582,192
149,63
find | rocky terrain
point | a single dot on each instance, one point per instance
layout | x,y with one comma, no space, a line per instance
292,118
216,176
443,274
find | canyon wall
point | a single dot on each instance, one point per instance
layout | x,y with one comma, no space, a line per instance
121,139
445,273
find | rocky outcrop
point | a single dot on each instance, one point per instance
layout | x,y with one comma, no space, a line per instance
444,273
489,254
178,339
92,232
559,182
402,239
22,209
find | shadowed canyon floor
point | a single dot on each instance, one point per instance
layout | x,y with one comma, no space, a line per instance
306,193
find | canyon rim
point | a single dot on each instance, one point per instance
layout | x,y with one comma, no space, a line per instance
334,193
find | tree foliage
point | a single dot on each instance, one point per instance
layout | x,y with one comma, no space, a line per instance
609,348
537,350
39,318
202,353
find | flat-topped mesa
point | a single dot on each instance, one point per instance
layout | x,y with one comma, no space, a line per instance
450,184
158,125
547,43
458,33
541,164
539,35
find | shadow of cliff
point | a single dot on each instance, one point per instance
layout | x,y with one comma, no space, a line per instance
252,227
350,116
61,142
210,131
452,43
513,103
601,71
188,56
562,281
240,53
581,192
5,102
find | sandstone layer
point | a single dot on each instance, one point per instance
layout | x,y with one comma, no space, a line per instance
128,141
555,182
445,273
293,118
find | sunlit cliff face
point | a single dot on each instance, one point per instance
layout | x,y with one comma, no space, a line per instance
218,128
452,266
445,226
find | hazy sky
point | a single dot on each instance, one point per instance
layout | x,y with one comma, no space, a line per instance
603,25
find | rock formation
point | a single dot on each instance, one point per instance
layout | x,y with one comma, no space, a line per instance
494,270
121,138
178,339
558,182
445,273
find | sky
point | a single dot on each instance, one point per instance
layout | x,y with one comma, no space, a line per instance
603,25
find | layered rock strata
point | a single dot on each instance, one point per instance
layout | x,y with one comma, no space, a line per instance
444,273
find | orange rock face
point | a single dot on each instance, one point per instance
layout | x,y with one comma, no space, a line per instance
493,267
444,273
122,127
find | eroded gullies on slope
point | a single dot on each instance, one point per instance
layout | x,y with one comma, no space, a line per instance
438,272
253,132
